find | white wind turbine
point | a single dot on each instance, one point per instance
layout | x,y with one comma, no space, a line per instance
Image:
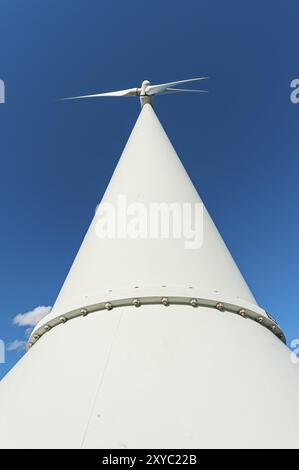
146,91
150,345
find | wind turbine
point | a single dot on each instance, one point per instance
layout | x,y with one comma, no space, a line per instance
199,364
147,91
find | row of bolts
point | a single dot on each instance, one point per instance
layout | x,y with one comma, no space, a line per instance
165,302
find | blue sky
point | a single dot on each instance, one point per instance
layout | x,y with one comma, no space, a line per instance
239,143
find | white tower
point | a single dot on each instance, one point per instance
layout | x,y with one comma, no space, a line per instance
149,344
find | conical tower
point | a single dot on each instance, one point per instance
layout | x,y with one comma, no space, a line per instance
153,342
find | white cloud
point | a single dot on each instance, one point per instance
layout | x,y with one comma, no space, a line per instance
32,317
16,345
28,331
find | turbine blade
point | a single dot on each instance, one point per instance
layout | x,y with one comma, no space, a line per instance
154,89
128,92
182,90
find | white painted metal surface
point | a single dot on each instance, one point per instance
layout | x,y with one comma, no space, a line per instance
149,170
155,376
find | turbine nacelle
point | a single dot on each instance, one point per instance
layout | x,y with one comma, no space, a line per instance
146,91
144,98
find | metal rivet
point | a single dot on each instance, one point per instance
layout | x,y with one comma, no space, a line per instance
242,312
165,301
62,319
83,312
260,319
193,302
108,306
273,327
36,337
220,307
136,302
47,327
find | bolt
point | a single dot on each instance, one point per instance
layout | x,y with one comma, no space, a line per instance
220,307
